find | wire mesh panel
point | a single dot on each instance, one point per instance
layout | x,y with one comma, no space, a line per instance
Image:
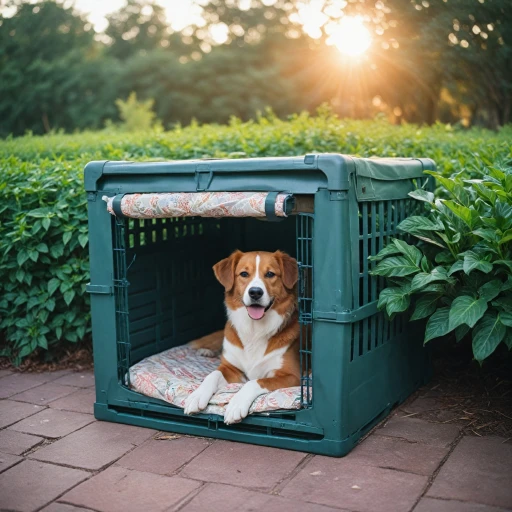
305,298
121,300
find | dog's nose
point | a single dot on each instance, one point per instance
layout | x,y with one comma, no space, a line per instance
255,293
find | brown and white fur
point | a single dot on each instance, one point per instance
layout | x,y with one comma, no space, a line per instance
261,339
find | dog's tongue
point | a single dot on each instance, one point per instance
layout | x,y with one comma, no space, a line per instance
256,312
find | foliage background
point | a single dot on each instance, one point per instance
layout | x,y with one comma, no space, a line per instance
436,59
43,216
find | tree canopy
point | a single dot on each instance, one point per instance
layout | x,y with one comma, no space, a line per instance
437,59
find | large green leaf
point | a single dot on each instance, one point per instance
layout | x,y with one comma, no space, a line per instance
429,240
467,215
504,303
438,324
390,250
508,339
485,193
474,261
487,335
490,290
456,267
503,214
412,253
455,188
417,224
488,234
396,300
425,306
506,237
422,195
423,278
466,310
505,263
461,331
395,266
506,318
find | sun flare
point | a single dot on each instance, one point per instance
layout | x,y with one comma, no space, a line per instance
350,36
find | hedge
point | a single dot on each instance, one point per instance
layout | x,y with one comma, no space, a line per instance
43,216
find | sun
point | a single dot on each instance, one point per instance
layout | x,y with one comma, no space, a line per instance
350,36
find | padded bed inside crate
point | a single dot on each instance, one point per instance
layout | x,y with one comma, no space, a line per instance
175,373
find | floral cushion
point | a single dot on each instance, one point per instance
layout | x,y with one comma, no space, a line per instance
175,373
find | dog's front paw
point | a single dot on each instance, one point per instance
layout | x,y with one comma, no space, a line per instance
196,402
237,409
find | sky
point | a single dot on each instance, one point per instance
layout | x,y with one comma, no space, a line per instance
180,13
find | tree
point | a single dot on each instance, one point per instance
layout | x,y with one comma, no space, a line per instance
46,81
139,26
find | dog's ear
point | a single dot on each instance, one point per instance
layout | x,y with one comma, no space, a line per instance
224,270
289,269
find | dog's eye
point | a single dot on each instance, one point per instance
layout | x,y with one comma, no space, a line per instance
269,274
244,274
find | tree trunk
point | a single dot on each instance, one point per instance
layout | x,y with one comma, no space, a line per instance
46,123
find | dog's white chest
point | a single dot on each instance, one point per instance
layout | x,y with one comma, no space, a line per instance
254,336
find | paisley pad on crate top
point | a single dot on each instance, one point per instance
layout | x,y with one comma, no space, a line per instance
174,374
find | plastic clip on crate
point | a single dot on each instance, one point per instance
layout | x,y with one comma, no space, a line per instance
151,273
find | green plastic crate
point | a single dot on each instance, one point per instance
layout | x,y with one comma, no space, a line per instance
150,277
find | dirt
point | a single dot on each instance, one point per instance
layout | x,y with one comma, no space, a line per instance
461,392
77,358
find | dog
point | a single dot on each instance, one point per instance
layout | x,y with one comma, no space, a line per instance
260,346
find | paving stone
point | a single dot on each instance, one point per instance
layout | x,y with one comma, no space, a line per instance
222,498
31,484
163,457
433,505
94,446
11,412
53,423
19,382
44,394
7,460
430,405
64,507
79,401
397,454
478,470
5,373
340,482
17,443
421,404
246,465
77,379
420,431
122,490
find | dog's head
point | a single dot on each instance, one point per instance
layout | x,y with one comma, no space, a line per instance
258,281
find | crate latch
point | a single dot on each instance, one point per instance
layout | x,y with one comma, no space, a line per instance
213,424
347,316
204,177
99,288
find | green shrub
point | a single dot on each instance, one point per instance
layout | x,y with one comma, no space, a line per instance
460,276
43,214
43,261
137,116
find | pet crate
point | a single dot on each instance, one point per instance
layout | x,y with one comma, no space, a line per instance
152,287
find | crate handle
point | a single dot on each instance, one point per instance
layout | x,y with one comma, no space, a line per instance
209,179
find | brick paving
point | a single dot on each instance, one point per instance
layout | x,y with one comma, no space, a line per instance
55,457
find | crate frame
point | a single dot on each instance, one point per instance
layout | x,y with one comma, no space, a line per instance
371,375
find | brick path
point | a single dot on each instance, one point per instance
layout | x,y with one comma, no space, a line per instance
55,457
